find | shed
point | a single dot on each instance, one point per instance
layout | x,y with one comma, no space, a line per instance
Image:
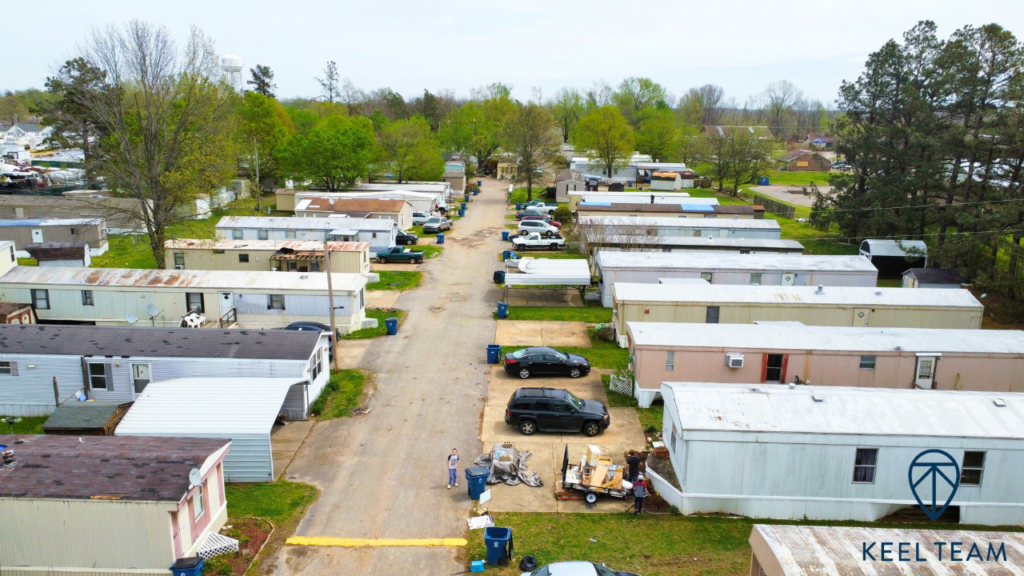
71,254
285,199
747,450
903,358
942,278
743,269
683,227
809,305
568,180
241,409
893,257
91,418
804,161
786,550
666,181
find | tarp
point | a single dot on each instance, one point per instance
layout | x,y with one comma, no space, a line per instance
508,465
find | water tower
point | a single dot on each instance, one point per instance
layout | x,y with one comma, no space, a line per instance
232,66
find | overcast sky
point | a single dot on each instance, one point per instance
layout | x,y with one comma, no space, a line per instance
410,45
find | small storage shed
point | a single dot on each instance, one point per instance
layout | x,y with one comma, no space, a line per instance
743,269
804,161
942,278
70,254
893,257
74,418
683,227
243,410
809,305
838,453
666,181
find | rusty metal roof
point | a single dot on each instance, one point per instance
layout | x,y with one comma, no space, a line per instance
212,279
269,245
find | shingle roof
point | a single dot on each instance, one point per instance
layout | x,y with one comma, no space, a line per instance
46,251
80,415
159,342
104,467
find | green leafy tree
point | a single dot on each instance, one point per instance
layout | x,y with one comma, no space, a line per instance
456,131
76,84
606,136
529,134
428,108
302,119
657,134
262,80
409,149
337,151
265,127
635,94
567,109
12,110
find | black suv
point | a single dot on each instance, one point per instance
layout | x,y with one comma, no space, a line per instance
553,410
544,361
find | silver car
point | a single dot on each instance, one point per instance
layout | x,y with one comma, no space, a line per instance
436,224
576,569
420,218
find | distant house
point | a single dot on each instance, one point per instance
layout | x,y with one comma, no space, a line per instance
804,161
568,180
368,208
760,132
943,278
75,418
824,142
92,231
69,254
16,313
134,494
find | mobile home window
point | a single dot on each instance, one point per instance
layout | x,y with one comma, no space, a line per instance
275,302
74,231
195,302
707,276
263,234
98,376
867,362
289,233
87,298
670,360
197,504
179,259
13,257
971,469
41,299
5,368
314,266
864,465
236,234
243,258
711,316
755,279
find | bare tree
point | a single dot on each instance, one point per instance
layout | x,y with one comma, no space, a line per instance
329,83
352,97
591,234
600,94
776,103
529,133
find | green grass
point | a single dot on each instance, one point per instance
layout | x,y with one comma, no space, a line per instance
28,425
650,418
890,283
396,280
27,262
274,501
381,328
519,194
429,250
590,315
601,354
340,395
784,178
126,252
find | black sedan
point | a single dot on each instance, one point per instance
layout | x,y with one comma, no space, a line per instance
544,361
406,238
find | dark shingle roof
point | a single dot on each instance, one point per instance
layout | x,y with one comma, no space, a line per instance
47,251
103,467
79,415
937,275
166,342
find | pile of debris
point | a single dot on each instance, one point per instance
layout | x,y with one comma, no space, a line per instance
508,465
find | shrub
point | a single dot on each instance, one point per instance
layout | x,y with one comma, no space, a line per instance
562,214
673,510
217,566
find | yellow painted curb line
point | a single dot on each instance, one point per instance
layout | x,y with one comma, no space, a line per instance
374,542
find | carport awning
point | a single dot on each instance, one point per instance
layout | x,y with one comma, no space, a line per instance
547,279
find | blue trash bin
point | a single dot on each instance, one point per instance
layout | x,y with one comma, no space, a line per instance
191,566
629,183
476,478
462,205
475,192
467,196
506,254
440,238
479,182
493,353
462,212
762,181
502,309
519,206
504,235
498,540
392,324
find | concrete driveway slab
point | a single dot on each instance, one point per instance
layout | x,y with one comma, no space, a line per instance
538,333
543,297
285,441
382,298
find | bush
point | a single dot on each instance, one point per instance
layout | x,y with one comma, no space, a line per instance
562,214
673,511
217,566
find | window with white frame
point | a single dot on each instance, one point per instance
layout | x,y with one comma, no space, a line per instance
925,367
275,301
867,362
5,368
971,468
236,234
670,360
672,440
864,464
179,259
317,365
194,301
712,315
41,299
755,279
87,298
99,376
140,376
197,504
290,234
263,234
707,276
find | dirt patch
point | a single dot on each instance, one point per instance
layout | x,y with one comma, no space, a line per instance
663,467
251,534
539,333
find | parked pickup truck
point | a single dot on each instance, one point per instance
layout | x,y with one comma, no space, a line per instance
397,254
545,207
535,240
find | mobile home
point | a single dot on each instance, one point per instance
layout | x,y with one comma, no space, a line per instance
379,234
369,208
645,243
121,215
121,297
684,227
908,358
420,201
839,453
92,231
652,197
267,255
813,306
743,269
683,210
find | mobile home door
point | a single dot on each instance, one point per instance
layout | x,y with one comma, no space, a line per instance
37,234
226,303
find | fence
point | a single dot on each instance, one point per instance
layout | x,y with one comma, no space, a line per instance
771,205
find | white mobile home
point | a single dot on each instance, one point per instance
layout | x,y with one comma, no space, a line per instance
420,201
243,410
225,299
108,364
357,208
379,234
267,255
684,227
812,306
659,197
645,243
744,269
836,453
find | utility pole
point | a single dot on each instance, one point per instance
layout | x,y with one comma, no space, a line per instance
259,188
330,298
56,392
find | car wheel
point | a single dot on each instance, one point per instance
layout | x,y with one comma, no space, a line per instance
382,260
419,261
527,427
524,373
575,372
553,247
591,428
590,497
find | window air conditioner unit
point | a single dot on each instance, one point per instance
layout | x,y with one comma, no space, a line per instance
179,267
734,360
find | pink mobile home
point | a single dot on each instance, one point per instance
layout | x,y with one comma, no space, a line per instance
981,360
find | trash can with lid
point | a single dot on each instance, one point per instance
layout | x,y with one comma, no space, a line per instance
476,478
462,212
504,235
502,309
519,206
499,545
392,325
763,181
479,182
493,353
466,195
190,566
440,238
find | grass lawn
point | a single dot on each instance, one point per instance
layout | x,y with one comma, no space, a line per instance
429,250
890,283
381,328
27,262
784,178
282,502
28,425
601,355
396,280
340,395
650,418
590,315
519,194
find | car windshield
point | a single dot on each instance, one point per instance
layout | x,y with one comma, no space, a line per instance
575,401
540,572
519,354
434,220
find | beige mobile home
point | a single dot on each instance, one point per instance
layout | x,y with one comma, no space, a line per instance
681,227
208,298
810,305
911,358
122,215
370,208
266,255
92,231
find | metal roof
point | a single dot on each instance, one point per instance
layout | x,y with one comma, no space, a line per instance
936,275
644,196
531,265
644,221
77,415
697,281
207,406
286,223
412,186
877,247
715,262
845,410
825,338
59,340
706,242
837,551
550,272
361,206
50,222
721,294
297,245
156,279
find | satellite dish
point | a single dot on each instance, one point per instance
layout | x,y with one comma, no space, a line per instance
131,318
152,310
195,477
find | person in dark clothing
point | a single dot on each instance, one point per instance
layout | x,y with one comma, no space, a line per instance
639,493
633,461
